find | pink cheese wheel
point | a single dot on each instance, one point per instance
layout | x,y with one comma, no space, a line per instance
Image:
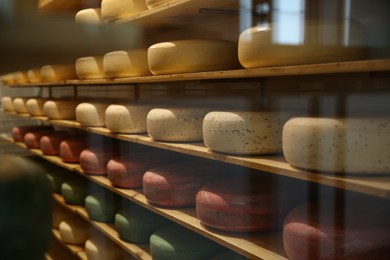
127,171
356,230
94,160
245,203
18,132
71,148
176,184
32,139
50,143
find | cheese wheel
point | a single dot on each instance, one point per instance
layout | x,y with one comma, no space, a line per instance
154,3
127,119
34,75
34,106
357,229
74,191
102,206
20,77
50,143
57,177
74,231
176,184
90,67
126,63
91,114
7,104
116,9
176,242
90,16
338,145
58,72
32,139
135,224
20,105
99,247
18,132
59,214
321,42
7,79
60,108
71,148
244,132
176,124
94,160
195,55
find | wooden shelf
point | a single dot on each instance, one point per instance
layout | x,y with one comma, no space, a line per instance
382,65
77,250
57,6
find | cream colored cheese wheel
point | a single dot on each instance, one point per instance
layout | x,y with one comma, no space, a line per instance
60,109
129,63
59,214
34,106
20,105
154,3
259,47
176,124
20,77
99,247
338,145
7,104
34,75
127,119
91,114
89,16
7,79
243,132
74,230
195,55
58,72
116,9
90,68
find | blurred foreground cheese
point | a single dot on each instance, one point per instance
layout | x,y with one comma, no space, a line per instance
92,16
34,75
20,77
129,63
90,67
19,104
58,72
117,9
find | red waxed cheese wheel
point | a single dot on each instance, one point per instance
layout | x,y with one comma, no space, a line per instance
245,204
127,171
94,160
18,132
176,184
50,143
32,139
71,148
355,230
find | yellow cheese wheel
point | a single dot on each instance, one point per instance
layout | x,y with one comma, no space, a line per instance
74,230
90,67
34,106
60,108
7,104
89,16
116,9
91,114
129,63
7,79
58,72
20,77
34,75
153,3
20,105
196,55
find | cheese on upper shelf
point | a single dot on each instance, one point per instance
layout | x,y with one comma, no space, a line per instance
91,16
58,72
7,104
71,148
34,75
154,3
90,67
102,206
116,9
126,63
20,77
34,106
99,247
91,114
7,79
19,104
60,108
74,230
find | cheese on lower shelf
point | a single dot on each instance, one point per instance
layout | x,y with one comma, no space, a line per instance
116,9
60,108
126,63
94,160
34,106
102,206
91,114
90,67
50,143
60,214
20,105
7,104
34,75
196,55
74,230
154,3
58,72
176,242
74,191
71,148
91,16
32,139
176,124
99,247
244,132
338,145
18,132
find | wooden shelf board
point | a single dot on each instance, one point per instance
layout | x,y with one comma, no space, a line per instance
77,250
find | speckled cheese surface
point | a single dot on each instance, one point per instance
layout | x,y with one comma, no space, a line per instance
243,132
91,16
196,55
74,230
127,119
126,63
176,124
90,67
58,72
20,105
34,106
154,3
7,104
354,145
91,114
116,9
60,109
99,247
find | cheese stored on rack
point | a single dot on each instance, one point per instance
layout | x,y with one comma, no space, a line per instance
90,67
176,124
127,118
91,114
34,106
60,108
116,9
71,148
99,247
34,75
196,55
7,104
57,177
32,139
18,132
94,160
7,79
74,230
50,143
74,191
126,63
102,206
58,72
20,77
20,105
90,16
154,3
338,145
59,214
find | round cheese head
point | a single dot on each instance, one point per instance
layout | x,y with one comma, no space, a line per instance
99,247
102,206
71,148
7,79
34,75
91,114
7,104
90,67
117,9
127,119
34,106
20,77
74,191
74,230
91,16
126,63
50,143
20,105
58,72
60,108
18,132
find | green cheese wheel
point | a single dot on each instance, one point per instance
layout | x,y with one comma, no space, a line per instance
74,191
173,242
102,206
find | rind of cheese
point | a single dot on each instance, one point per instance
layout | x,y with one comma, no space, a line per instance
92,16
186,56
127,119
99,247
90,67
20,105
32,139
20,77
176,124
91,114
126,63
74,191
50,143
71,148
102,206
58,72
60,108
338,145
34,106
7,104
94,160
154,3
74,230
116,9
244,132
34,75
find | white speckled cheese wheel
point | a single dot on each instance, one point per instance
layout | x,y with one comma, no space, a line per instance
91,114
195,55
89,16
99,247
153,3
20,105
34,106
260,47
74,230
129,63
116,9
102,206
7,104
244,132
59,215
20,77
353,145
60,108
7,79
71,148
90,67
58,72
34,75
127,119
176,124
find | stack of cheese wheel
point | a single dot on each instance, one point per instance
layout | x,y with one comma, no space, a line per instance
176,242
94,160
176,184
338,145
244,132
127,118
127,171
258,46
57,177
74,230
74,191
245,203
7,79
99,247
91,114
20,77
34,75
126,63
50,143
18,132
58,72
71,148
7,104
135,224
32,139
176,124
154,3
116,9
90,67
34,106
60,108
89,16
20,105
102,205
59,214
356,229
196,55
